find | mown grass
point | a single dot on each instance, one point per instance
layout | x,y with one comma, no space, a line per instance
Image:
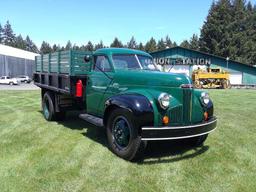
36,155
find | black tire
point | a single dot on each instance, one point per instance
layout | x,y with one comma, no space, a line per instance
25,81
11,83
48,107
130,147
198,141
224,84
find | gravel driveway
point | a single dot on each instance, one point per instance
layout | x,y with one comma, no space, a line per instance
22,86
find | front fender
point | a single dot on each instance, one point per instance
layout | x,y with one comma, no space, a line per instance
138,104
209,108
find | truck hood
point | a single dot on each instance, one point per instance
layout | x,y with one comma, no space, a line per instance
151,78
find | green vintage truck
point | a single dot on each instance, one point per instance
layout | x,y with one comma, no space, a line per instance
123,91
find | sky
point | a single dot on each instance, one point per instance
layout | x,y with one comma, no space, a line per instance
79,21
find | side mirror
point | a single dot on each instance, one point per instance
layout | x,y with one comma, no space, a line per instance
87,58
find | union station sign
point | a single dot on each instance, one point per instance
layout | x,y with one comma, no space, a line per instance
182,61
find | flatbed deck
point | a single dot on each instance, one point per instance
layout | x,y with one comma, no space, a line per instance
59,71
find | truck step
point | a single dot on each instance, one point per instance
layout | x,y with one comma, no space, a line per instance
92,119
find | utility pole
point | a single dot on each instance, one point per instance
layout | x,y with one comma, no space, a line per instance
227,59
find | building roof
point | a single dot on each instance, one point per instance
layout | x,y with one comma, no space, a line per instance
14,52
204,53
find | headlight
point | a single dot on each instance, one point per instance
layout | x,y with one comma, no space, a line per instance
164,100
205,98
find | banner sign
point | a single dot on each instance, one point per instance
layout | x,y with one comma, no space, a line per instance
182,61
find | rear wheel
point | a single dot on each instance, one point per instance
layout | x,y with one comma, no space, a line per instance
122,135
224,84
11,83
49,111
48,107
198,84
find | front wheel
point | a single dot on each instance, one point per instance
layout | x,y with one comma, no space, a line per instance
122,135
11,83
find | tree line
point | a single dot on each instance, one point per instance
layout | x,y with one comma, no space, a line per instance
229,31
8,37
150,46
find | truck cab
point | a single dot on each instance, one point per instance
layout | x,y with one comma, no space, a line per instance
123,91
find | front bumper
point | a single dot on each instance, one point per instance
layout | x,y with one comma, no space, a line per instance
179,132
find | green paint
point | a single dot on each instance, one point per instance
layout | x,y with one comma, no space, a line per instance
101,86
145,82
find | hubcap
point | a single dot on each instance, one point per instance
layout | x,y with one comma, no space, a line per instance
121,132
46,109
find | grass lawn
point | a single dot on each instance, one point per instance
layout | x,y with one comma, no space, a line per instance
36,155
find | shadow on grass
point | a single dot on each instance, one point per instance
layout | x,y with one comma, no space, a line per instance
155,152
94,133
72,121
170,151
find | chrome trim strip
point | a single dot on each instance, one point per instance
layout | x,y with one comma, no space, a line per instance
173,138
180,127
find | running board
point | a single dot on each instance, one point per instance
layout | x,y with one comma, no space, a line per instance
92,119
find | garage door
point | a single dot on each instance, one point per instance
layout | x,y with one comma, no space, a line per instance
236,78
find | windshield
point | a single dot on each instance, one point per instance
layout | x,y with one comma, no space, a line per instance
130,62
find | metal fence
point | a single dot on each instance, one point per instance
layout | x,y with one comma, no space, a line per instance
13,66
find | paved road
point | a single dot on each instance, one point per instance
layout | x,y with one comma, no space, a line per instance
22,86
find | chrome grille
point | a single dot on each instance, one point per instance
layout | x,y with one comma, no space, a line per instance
187,98
175,115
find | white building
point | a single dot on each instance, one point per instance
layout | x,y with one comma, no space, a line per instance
15,61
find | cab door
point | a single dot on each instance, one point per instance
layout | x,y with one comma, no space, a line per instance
98,83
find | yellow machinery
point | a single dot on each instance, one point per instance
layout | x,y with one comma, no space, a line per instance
211,78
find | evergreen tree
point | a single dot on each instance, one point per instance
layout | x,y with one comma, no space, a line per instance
116,43
249,7
141,47
185,44
82,48
151,45
132,43
249,47
62,48
229,30
161,45
75,47
45,48
174,44
8,35
100,45
89,46
168,42
55,48
194,42
30,45
68,45
238,28
215,37
1,34
20,43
